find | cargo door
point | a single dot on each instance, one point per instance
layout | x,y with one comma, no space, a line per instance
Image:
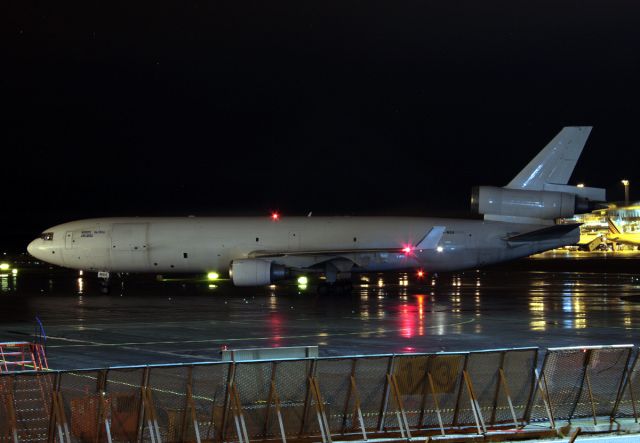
129,251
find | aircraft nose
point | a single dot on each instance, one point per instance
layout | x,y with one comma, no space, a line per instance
32,248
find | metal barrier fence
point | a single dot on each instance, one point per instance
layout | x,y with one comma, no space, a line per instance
477,394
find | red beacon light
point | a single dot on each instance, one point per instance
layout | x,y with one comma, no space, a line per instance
407,249
275,216
420,273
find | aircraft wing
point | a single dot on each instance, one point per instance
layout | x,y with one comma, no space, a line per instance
429,241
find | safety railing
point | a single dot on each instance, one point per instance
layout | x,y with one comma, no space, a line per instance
473,394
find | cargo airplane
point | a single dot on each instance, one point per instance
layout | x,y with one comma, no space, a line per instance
519,220
615,235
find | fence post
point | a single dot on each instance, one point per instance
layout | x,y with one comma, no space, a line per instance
532,390
9,403
435,402
475,408
51,434
496,395
188,401
540,378
507,391
626,377
400,414
385,398
585,365
307,396
141,409
276,400
425,384
231,373
345,410
325,430
454,421
274,365
102,412
358,408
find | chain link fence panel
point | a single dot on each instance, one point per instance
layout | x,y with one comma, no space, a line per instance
520,381
123,386
168,388
628,405
210,384
204,400
85,407
602,381
334,381
32,394
371,380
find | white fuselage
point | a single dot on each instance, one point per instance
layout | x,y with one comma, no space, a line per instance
203,244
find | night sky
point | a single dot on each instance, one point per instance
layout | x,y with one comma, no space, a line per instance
336,107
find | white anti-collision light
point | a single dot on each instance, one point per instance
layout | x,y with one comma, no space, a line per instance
439,249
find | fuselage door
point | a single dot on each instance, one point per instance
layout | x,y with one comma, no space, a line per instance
68,240
129,246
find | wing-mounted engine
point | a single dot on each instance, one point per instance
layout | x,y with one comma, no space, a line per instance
256,272
539,193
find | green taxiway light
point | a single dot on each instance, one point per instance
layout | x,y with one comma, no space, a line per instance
303,280
4,266
213,276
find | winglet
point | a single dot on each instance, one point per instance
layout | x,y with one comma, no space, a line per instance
431,240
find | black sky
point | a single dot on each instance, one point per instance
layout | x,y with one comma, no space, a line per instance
337,107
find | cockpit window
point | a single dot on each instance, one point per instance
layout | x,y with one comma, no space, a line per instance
47,236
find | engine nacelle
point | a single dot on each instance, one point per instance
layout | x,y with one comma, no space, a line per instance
256,272
546,205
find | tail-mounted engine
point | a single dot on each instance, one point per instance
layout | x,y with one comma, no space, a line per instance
556,201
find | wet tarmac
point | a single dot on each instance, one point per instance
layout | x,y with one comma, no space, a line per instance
553,300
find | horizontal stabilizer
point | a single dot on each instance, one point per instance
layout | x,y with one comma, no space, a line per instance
547,233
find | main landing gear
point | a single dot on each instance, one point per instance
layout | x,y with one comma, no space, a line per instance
338,278
105,287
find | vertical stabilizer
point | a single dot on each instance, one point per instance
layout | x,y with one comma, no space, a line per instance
555,163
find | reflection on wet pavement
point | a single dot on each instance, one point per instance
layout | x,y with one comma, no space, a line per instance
148,321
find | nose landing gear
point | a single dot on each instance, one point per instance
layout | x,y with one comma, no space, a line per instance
105,287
